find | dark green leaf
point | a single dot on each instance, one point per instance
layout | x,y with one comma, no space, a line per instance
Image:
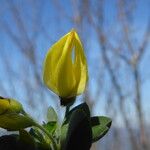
84,107
11,142
79,133
25,137
100,126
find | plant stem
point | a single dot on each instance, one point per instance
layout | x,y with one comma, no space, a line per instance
67,110
54,145
49,135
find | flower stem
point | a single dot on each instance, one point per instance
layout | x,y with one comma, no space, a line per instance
54,145
49,135
67,110
69,105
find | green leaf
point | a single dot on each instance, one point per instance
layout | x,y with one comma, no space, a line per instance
51,115
50,126
15,122
77,134
100,126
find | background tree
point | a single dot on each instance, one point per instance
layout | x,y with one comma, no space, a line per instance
116,38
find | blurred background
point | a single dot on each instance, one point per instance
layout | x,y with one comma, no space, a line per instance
116,38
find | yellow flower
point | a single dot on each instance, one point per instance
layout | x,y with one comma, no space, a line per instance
9,106
65,67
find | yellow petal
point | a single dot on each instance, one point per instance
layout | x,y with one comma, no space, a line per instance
63,75
81,66
65,70
50,63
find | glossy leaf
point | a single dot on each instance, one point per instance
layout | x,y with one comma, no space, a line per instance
100,126
79,133
83,107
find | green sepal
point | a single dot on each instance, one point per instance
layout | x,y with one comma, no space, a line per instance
67,101
15,122
100,126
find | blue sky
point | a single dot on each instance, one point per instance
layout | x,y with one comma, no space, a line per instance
56,27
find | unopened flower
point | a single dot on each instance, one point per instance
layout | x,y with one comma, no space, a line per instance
9,106
65,67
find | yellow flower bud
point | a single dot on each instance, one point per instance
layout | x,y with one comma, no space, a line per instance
65,67
9,106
